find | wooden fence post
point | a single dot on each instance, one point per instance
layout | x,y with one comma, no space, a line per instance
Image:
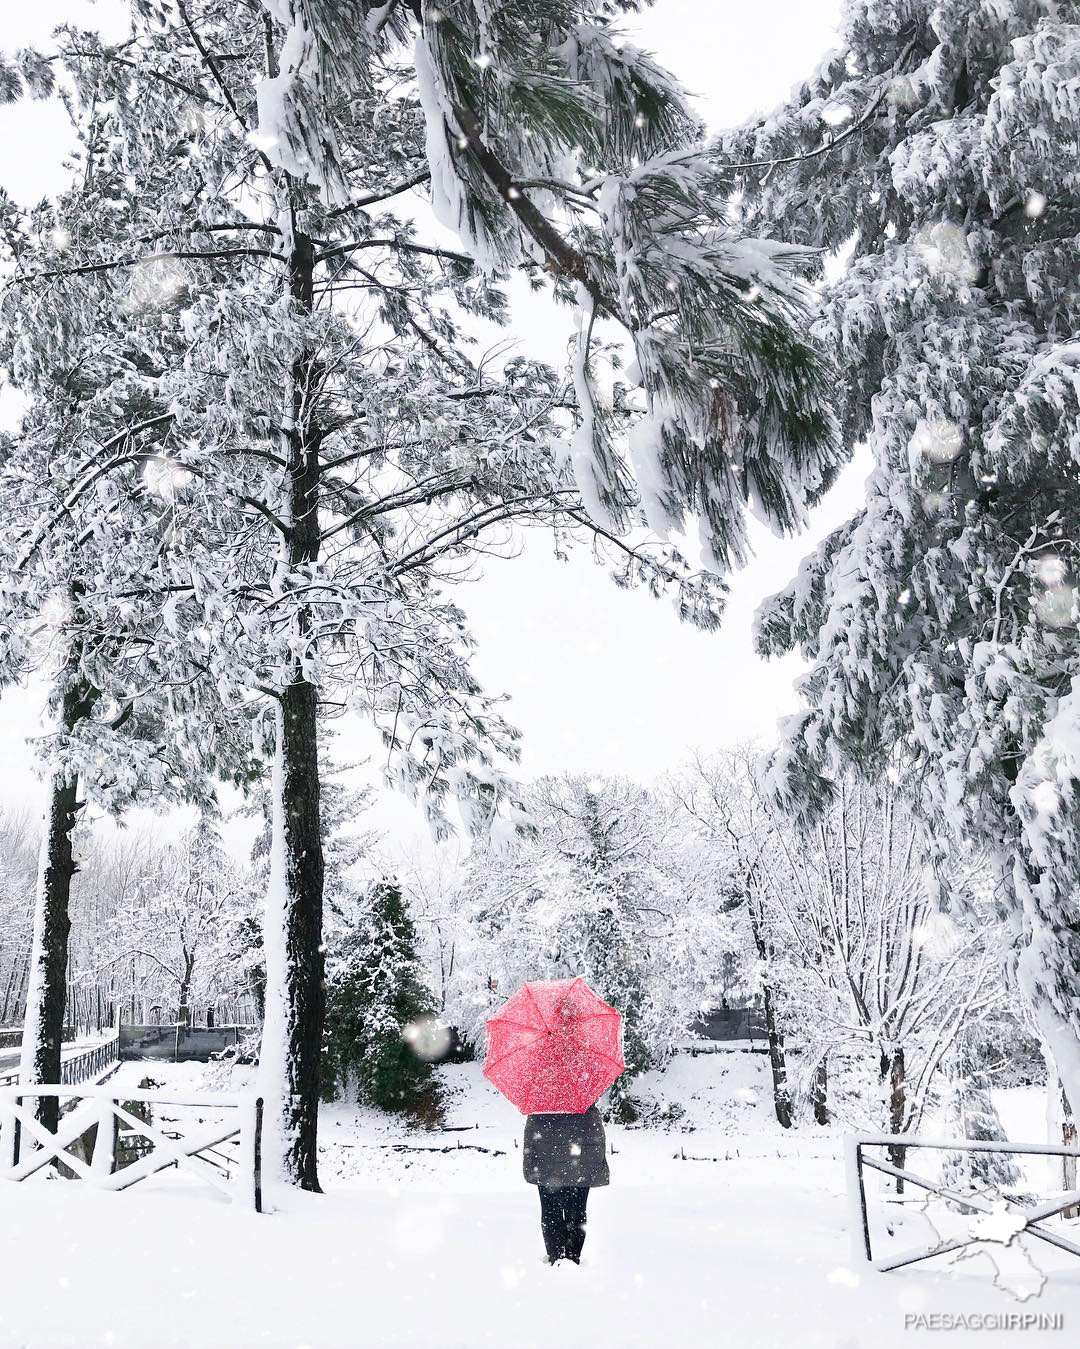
103,1162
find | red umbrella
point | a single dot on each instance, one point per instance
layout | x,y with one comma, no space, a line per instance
554,1048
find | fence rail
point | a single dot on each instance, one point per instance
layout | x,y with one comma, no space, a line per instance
860,1158
93,1141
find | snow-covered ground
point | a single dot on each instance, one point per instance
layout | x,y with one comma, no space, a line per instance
427,1248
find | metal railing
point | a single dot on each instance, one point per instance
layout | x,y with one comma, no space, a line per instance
90,1065
860,1157
84,1067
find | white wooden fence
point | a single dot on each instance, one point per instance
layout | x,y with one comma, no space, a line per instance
221,1144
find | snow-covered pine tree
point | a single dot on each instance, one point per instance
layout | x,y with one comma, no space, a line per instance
344,449
377,1002
938,146
87,606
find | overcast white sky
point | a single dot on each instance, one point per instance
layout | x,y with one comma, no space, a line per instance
600,680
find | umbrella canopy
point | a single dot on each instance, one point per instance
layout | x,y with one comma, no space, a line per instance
554,1048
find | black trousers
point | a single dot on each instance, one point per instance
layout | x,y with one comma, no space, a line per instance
562,1221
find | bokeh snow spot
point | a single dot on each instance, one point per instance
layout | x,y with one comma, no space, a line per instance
155,282
936,503
165,478
934,442
1056,607
1051,571
943,249
836,114
427,1037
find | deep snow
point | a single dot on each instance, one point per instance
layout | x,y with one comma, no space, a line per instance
411,1250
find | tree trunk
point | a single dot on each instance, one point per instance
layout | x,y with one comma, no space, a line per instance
819,1092
777,1063
14,977
46,996
295,994
773,1033
183,1010
894,1080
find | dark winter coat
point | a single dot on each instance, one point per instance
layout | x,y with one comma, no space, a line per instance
561,1150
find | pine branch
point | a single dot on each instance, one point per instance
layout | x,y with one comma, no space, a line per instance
863,121
402,245
456,534
211,65
420,493
384,194
117,264
110,54
458,364
561,258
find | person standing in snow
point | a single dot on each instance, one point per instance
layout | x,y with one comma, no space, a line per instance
564,1156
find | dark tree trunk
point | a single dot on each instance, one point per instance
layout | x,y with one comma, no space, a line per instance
773,1033
820,1091
894,1080
304,994
183,1010
43,1031
15,978
777,1062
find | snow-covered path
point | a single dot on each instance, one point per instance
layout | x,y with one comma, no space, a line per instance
411,1250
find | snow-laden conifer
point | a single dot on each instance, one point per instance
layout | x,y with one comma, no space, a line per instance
935,146
345,449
